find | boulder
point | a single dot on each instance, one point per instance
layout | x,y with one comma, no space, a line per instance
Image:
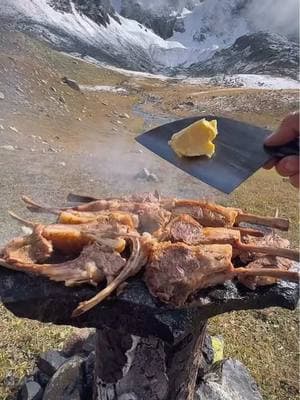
31,391
66,383
228,380
50,361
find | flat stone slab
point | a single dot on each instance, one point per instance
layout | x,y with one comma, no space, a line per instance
134,309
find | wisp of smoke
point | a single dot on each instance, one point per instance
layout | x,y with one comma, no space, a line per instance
275,16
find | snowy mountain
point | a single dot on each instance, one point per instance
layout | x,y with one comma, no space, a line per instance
168,36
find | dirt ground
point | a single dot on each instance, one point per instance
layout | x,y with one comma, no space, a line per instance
54,140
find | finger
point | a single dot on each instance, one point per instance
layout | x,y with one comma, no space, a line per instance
288,166
288,130
270,164
295,180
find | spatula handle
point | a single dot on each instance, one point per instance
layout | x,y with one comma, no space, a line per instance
288,149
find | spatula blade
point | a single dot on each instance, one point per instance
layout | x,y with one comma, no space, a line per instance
239,151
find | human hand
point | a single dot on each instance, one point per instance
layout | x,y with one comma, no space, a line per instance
287,166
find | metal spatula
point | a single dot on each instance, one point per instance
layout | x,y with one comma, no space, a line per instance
240,151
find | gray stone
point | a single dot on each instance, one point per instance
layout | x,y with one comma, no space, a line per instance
134,308
228,380
2,97
31,391
70,82
66,383
82,341
50,361
8,147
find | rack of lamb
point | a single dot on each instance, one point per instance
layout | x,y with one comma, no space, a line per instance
178,246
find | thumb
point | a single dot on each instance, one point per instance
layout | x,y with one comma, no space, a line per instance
288,130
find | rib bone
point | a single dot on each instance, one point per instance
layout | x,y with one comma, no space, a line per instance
272,222
271,251
131,268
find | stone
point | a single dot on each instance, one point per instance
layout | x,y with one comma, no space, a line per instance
50,361
2,97
88,381
41,378
134,309
228,380
8,147
146,174
26,230
1,127
14,129
124,115
62,164
31,391
70,82
80,342
53,89
66,383
62,99
208,357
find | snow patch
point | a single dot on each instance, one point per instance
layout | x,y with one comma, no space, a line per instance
99,88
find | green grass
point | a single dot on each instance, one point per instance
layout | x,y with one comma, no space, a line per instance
21,341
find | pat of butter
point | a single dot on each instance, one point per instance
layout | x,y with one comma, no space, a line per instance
196,139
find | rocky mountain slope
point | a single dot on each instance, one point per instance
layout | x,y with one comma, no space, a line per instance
190,37
258,53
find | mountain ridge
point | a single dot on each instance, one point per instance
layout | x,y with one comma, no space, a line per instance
187,37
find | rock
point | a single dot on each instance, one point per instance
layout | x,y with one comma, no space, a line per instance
41,378
53,89
44,82
124,115
228,380
115,129
189,103
79,119
26,230
14,129
119,122
31,391
1,127
62,99
50,361
66,383
8,147
89,367
81,342
70,82
145,174
208,357
104,103
62,164
2,97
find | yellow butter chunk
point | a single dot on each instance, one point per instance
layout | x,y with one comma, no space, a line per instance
196,139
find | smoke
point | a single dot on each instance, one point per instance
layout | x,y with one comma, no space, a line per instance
277,16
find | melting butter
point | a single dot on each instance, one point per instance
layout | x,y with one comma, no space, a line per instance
196,139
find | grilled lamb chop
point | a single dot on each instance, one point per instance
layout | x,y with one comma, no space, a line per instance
213,215
252,282
186,229
70,239
151,215
176,270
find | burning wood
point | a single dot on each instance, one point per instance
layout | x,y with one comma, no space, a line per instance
182,246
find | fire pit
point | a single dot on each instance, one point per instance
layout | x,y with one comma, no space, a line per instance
144,349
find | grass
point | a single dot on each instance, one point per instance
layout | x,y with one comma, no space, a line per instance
21,341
